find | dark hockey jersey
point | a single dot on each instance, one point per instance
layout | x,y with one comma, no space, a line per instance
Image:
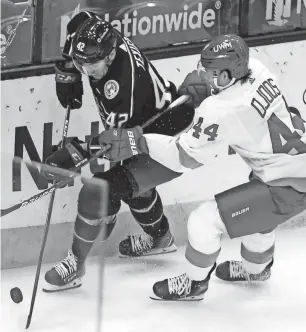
132,90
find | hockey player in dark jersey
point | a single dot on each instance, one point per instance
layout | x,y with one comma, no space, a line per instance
128,91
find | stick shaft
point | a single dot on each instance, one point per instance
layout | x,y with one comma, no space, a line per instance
46,229
179,101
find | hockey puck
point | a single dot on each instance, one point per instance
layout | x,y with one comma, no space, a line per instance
16,295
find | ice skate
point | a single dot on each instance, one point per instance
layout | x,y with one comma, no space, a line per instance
234,271
181,288
145,245
65,275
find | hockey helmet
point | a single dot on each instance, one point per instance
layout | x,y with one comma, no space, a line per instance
93,41
227,52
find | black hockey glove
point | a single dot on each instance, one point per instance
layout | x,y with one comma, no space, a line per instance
66,158
69,85
195,88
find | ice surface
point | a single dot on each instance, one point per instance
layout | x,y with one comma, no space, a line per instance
276,305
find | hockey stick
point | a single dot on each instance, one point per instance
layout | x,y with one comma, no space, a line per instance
47,224
179,101
34,198
58,184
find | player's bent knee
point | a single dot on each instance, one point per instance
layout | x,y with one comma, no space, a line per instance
206,219
120,187
91,203
204,231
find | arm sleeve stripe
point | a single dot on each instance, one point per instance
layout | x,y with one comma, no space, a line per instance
185,159
132,78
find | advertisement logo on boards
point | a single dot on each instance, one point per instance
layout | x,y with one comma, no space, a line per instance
279,12
155,18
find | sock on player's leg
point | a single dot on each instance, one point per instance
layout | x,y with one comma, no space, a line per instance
85,234
147,210
92,213
257,251
197,273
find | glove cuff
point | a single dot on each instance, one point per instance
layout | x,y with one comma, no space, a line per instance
143,146
64,74
138,131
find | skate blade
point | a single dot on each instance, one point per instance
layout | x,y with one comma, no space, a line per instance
184,299
153,252
55,289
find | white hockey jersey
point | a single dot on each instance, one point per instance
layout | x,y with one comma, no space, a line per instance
253,119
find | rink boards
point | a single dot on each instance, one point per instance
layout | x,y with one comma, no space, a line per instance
32,118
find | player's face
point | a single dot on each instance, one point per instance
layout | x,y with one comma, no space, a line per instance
216,78
208,75
98,69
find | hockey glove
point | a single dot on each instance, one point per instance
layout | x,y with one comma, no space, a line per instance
195,88
124,143
69,86
67,157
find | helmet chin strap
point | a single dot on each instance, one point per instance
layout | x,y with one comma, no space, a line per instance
215,79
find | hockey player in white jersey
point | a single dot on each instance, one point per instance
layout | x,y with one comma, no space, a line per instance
250,114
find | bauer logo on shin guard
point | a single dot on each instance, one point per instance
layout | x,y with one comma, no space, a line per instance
242,211
132,142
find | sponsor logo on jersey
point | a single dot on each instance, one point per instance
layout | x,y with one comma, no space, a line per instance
242,211
111,89
132,142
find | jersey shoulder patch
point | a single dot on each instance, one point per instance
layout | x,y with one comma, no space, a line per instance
111,89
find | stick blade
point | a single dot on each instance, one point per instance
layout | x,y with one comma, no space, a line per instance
28,321
59,173
34,187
